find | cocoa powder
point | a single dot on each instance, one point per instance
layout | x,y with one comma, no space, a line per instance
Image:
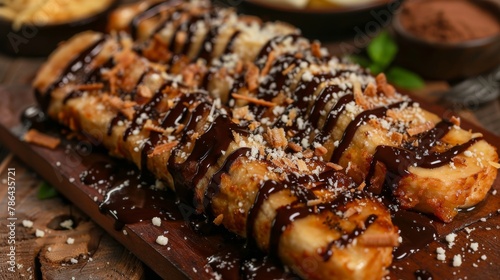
448,21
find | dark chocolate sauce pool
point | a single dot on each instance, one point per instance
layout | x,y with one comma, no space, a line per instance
34,117
127,197
416,231
421,274
248,264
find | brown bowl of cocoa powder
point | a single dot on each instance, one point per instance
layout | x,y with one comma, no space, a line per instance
448,39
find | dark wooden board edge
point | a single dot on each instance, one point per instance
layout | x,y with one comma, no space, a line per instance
185,257
133,241
179,260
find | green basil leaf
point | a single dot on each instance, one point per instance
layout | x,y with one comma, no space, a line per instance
375,69
46,191
382,49
361,60
404,78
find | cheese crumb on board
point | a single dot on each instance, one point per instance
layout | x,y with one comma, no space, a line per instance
162,240
156,221
441,256
474,246
450,238
457,260
39,233
27,223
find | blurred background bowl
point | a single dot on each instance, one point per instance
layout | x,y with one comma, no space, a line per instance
448,61
40,40
329,23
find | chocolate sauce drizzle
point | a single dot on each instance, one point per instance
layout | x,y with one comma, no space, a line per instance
248,264
398,160
148,111
276,79
173,118
351,129
347,238
319,104
34,117
332,118
215,181
230,43
270,45
302,95
150,12
207,46
77,69
208,148
421,274
287,214
416,231
128,198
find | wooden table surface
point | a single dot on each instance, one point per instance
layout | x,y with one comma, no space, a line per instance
48,257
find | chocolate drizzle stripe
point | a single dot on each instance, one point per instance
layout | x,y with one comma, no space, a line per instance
215,182
207,46
333,117
75,66
439,159
323,98
351,129
276,80
147,109
269,46
285,216
238,83
296,210
150,12
290,213
428,139
183,26
208,148
133,93
71,95
114,121
347,238
307,89
191,29
266,189
173,118
398,160
230,43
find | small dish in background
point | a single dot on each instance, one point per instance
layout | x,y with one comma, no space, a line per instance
448,59
20,38
363,20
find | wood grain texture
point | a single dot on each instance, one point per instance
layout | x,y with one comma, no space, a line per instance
96,254
186,254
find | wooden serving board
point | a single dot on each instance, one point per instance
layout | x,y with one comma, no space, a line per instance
186,254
